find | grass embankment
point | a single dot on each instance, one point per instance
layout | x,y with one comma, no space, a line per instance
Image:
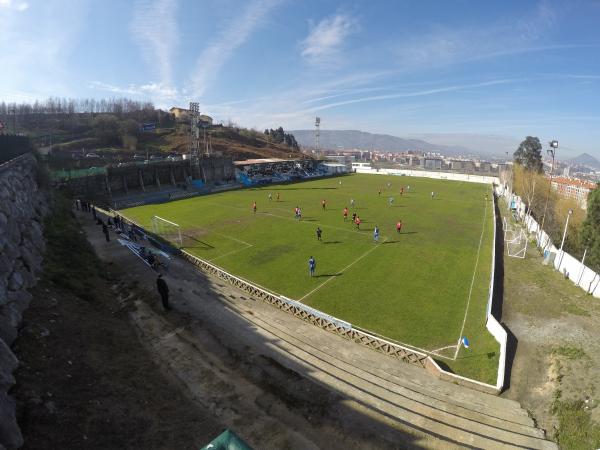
556,367
84,379
413,287
70,261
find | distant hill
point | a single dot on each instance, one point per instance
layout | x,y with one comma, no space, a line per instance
354,139
585,160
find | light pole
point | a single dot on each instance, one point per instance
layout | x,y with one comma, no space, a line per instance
562,253
14,111
552,152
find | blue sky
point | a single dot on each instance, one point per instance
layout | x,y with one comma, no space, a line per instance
459,72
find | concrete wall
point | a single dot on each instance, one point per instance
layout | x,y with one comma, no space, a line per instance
22,208
431,174
574,269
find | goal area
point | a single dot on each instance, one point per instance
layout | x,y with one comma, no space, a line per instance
167,230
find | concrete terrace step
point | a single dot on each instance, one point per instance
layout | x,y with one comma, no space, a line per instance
443,421
412,378
510,416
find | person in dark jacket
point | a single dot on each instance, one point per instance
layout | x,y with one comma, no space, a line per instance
105,231
163,290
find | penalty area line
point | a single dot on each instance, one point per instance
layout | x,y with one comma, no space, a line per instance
231,253
343,270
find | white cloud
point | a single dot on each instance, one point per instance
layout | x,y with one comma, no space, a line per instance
442,46
35,49
231,37
326,39
14,5
154,27
157,91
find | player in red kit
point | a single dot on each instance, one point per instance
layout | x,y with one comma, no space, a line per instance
399,226
345,214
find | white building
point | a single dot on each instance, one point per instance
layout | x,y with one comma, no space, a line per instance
573,188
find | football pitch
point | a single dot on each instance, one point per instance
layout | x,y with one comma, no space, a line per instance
425,286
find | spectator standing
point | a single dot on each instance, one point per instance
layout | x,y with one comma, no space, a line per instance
105,231
163,290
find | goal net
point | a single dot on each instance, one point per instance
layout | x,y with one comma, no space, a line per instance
508,229
516,245
167,230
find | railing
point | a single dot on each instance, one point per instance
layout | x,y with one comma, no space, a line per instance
311,315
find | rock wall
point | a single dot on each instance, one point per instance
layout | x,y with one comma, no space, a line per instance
22,208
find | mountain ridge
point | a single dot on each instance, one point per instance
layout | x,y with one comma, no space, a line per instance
362,140
585,159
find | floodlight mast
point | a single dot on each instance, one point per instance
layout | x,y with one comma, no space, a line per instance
552,152
194,112
317,134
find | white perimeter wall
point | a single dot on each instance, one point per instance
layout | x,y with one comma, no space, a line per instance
577,272
430,174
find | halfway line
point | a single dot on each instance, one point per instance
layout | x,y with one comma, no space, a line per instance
344,269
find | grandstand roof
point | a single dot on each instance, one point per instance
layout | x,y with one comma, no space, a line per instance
247,162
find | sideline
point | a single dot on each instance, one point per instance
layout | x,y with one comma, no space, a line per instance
462,329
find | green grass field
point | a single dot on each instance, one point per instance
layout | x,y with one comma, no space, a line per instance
422,287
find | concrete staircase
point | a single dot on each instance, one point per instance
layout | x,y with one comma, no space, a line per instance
453,415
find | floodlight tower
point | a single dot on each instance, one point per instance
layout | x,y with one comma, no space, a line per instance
551,152
194,112
317,134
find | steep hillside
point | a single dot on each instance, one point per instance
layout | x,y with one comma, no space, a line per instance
96,139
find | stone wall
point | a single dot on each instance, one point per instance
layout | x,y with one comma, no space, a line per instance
22,208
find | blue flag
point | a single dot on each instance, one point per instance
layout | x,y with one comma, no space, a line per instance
465,342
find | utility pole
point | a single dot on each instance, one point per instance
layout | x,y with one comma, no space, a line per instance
562,253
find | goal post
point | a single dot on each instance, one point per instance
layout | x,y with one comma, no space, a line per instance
167,230
517,246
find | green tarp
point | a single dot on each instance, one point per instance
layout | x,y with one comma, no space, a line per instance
227,440
78,173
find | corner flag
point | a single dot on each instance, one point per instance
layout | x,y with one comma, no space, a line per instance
465,342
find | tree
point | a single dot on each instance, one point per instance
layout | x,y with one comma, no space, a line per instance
107,129
529,154
591,229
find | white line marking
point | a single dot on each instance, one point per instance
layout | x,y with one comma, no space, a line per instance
231,252
344,269
232,238
462,329
442,348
